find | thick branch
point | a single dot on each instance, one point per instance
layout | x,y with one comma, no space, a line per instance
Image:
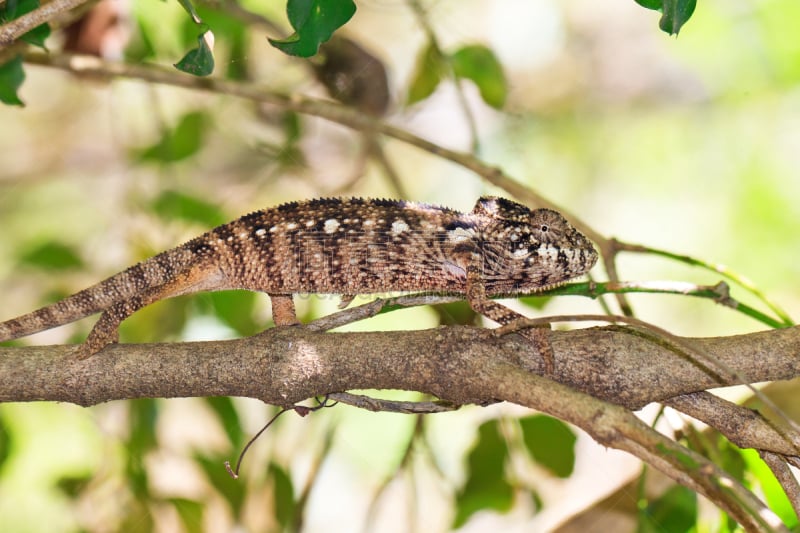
285,365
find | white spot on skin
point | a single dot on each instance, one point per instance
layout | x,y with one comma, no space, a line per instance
243,235
454,269
520,252
461,234
399,226
261,232
291,226
369,222
309,223
273,229
331,225
230,239
548,253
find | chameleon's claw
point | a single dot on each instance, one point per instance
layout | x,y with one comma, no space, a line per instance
85,350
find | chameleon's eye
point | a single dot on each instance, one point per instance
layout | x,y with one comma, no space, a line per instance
547,225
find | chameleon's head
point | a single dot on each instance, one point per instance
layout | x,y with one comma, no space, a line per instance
529,250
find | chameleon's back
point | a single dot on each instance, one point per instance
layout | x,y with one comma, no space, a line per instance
344,246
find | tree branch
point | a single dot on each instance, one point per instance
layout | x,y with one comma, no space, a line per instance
301,104
285,365
458,364
14,29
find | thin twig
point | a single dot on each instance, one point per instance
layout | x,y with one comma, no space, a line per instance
14,29
785,477
744,427
790,433
718,268
617,427
302,104
422,18
392,406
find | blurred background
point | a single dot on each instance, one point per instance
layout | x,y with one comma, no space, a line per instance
687,144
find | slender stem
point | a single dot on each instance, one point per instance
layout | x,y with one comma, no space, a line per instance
422,18
714,267
14,29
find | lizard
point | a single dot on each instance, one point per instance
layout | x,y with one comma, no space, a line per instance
344,246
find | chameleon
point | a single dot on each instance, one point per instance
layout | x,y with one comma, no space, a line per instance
346,246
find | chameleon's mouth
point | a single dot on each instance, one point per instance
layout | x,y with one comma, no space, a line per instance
530,291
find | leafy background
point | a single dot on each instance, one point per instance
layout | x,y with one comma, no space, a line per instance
685,144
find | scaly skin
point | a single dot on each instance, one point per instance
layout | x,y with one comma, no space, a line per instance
341,246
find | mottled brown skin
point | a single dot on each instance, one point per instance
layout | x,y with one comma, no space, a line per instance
341,246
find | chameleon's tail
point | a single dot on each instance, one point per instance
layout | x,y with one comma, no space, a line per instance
149,273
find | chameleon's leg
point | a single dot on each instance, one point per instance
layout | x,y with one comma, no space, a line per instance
480,303
106,329
283,312
346,299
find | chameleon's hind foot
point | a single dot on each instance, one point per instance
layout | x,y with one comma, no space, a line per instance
283,313
103,333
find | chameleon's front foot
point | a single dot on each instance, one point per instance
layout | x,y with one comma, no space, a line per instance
104,333
539,336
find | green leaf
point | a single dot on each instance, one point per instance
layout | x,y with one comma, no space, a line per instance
479,64
674,15
176,205
14,9
283,494
73,486
11,77
773,492
650,4
142,415
179,143
486,487
5,442
228,417
199,61
228,29
187,5
729,458
52,256
456,313
137,518
235,309
190,513
141,46
551,443
314,22
535,302
157,322
428,72
675,511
